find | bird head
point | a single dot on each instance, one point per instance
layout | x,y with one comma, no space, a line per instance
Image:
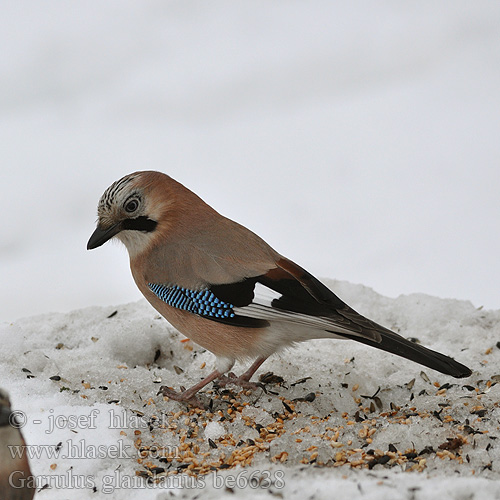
129,210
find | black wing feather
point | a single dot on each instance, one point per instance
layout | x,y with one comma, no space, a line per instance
303,294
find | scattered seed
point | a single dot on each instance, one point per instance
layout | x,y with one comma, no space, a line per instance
479,413
302,380
445,386
157,470
410,384
437,414
358,417
271,378
308,398
452,444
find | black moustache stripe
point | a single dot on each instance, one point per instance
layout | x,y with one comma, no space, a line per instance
140,224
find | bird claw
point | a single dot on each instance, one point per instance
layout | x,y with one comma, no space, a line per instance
231,378
182,397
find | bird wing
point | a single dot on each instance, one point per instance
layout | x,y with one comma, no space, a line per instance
289,293
285,293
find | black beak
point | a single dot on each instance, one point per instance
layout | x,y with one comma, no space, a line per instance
100,236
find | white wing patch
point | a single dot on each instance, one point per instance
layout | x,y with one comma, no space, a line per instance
261,308
265,295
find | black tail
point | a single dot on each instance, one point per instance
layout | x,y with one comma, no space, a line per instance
395,344
302,293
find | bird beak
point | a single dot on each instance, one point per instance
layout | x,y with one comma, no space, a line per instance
101,235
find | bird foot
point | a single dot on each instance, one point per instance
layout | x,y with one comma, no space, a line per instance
242,381
183,397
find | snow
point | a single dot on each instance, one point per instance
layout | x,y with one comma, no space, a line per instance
360,140
88,381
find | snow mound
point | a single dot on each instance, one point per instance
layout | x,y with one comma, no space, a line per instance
332,414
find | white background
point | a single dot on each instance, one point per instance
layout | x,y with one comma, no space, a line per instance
359,139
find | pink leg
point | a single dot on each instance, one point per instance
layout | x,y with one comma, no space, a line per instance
255,366
243,380
188,395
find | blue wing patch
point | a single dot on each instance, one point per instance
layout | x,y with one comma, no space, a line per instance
202,302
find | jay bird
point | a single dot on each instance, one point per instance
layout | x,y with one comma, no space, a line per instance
224,287
16,481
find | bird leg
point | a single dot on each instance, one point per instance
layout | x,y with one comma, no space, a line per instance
242,380
188,395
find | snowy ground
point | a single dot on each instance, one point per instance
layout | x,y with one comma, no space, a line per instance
342,416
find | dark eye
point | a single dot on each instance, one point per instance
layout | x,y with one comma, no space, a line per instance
131,205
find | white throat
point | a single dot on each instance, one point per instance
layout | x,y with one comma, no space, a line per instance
136,242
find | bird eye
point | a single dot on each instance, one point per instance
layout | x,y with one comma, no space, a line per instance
131,205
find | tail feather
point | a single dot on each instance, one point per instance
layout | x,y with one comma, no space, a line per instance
395,344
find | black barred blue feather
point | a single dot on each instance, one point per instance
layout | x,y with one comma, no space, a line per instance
205,303
202,302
